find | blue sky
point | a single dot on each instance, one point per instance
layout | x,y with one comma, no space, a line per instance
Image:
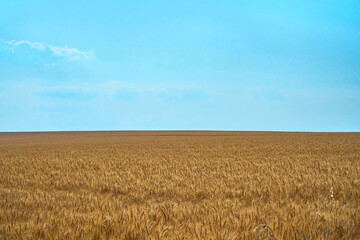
172,65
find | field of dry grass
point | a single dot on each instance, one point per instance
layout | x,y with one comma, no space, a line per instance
180,185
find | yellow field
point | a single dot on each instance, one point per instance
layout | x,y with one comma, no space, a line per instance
180,185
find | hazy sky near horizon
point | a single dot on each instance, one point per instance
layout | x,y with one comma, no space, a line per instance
172,65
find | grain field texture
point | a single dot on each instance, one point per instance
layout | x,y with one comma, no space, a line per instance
179,185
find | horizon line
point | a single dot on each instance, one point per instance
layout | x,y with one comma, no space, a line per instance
176,130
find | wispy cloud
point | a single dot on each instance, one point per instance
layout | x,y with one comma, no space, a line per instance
63,52
108,91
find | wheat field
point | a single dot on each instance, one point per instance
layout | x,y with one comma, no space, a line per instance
179,185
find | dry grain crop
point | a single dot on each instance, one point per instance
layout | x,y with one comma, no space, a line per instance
179,185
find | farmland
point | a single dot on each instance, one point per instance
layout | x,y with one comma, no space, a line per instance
179,185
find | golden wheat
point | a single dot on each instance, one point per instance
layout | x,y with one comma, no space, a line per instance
179,185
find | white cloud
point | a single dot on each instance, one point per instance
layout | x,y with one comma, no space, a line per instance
64,52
